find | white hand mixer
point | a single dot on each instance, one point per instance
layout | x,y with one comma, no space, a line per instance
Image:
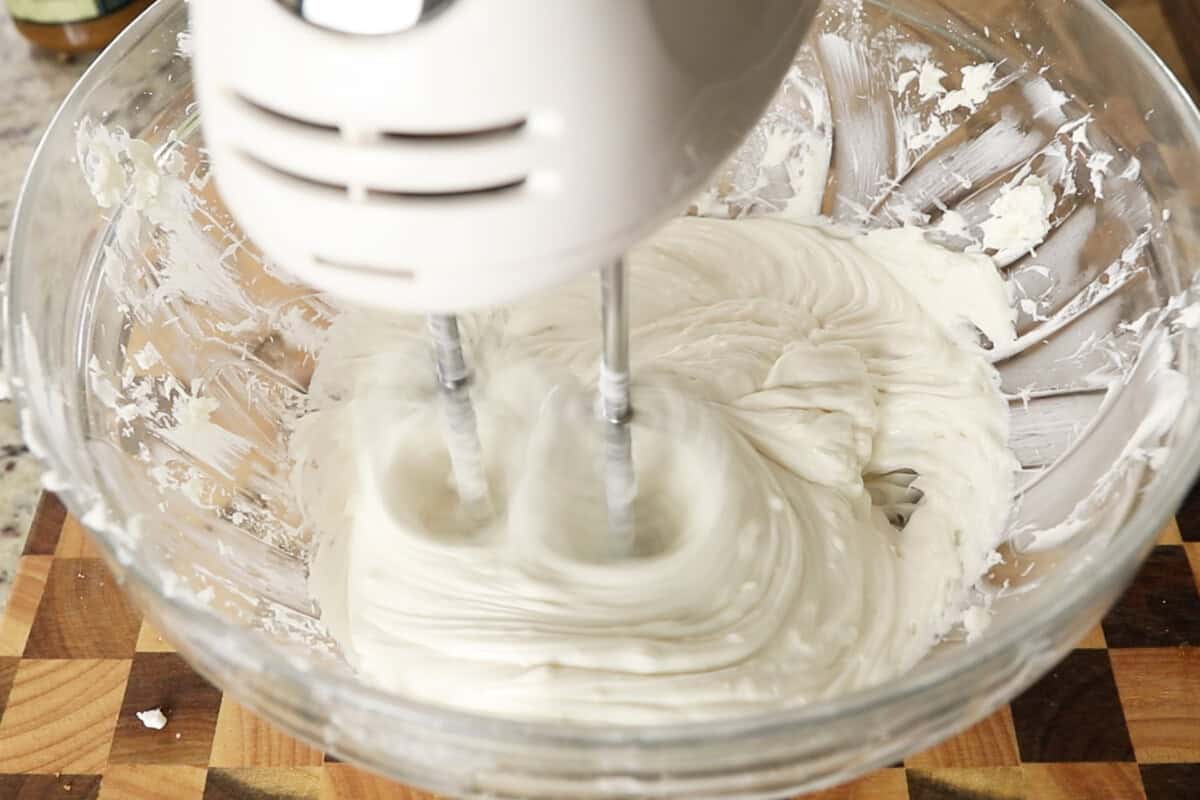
442,155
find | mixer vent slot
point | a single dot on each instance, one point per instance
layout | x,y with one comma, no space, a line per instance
500,188
501,130
279,172
384,195
258,108
400,274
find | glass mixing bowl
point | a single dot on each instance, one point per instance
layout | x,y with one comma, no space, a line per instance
208,544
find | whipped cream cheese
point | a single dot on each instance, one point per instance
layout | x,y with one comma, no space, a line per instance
823,470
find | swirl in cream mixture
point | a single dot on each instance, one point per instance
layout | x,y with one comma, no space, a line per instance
789,381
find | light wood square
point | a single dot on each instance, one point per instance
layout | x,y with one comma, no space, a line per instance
1160,694
1084,781
244,740
345,782
61,715
152,782
30,583
991,742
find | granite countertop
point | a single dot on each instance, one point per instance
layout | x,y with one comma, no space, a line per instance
32,83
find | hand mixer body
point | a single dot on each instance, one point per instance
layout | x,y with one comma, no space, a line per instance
485,152
466,152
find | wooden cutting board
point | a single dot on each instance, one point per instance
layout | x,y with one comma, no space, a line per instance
1119,719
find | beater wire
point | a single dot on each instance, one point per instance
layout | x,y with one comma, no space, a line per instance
461,430
620,482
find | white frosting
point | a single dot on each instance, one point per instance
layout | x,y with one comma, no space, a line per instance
930,80
1020,216
976,85
154,719
787,377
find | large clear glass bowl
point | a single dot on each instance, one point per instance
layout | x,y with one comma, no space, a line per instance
220,566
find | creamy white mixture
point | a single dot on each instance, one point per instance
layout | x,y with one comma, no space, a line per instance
790,380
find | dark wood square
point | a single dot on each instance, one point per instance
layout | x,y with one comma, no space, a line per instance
1171,781
1073,713
83,614
49,787
1161,608
8,671
190,703
1183,16
1188,516
47,524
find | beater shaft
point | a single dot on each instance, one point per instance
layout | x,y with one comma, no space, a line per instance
620,482
462,433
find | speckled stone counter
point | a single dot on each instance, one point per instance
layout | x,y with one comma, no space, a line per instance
32,84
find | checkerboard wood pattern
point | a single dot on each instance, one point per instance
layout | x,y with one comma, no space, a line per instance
1118,719
76,665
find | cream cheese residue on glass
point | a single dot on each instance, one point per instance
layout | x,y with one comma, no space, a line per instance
799,388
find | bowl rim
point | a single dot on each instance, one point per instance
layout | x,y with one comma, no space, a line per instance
1155,505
